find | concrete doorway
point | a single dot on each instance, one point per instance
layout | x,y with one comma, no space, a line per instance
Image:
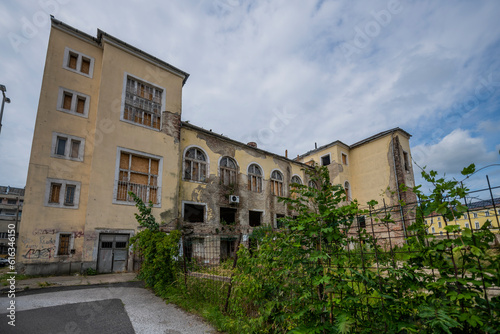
112,253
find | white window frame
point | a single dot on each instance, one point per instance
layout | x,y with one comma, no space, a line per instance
71,244
236,169
329,156
62,193
67,150
119,150
124,95
295,175
206,162
74,101
196,203
274,180
80,56
477,226
261,177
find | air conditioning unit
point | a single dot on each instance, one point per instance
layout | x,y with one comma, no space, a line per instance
234,199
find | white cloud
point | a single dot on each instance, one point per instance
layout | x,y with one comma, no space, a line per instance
454,152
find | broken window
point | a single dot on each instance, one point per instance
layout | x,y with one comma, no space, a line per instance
325,160
254,178
227,171
277,183
143,103
195,165
194,213
279,220
295,180
406,161
138,174
254,218
64,244
228,216
312,184
78,62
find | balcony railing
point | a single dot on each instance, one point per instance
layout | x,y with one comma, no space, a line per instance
143,191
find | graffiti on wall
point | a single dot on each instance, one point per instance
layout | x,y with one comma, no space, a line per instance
40,253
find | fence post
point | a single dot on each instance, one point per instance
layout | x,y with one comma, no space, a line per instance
184,260
232,274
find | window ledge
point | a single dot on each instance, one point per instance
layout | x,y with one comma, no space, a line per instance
133,203
139,124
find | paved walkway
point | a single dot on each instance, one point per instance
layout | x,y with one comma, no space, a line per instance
54,281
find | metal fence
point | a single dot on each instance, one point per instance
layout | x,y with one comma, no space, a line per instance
209,262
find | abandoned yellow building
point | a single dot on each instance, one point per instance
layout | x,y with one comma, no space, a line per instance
109,122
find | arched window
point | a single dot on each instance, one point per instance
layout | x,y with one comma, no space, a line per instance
312,184
277,183
195,165
254,178
347,189
227,171
296,179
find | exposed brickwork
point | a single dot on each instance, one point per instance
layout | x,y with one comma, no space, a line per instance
171,124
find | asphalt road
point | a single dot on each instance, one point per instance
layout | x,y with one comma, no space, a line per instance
103,310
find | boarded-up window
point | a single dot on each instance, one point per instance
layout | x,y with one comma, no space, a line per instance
85,66
80,105
254,178
143,103
73,59
344,159
195,165
55,190
64,244
227,170
75,148
68,98
277,183
138,174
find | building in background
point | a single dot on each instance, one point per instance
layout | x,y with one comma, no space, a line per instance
11,208
109,122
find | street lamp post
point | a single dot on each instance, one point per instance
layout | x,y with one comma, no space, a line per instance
4,99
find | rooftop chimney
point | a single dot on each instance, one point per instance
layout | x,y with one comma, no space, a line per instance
252,144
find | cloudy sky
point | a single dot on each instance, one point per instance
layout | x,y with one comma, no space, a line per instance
289,73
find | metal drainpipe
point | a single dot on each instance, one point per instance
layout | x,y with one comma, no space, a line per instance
397,187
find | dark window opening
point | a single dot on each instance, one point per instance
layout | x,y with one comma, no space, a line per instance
121,244
254,218
279,222
194,213
406,161
227,216
325,160
361,222
227,248
107,244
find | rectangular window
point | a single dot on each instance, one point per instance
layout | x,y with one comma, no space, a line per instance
64,244
62,193
72,102
475,214
69,197
143,103
193,213
55,191
138,174
325,160
406,161
344,159
279,223
362,222
487,213
67,147
477,225
78,62
228,216
12,201
439,224
61,145
254,218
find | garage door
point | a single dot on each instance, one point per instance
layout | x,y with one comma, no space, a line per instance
113,252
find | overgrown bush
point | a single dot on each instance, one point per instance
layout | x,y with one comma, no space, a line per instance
159,250
308,277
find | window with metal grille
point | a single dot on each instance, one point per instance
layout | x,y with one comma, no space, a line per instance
121,244
143,103
277,183
195,165
64,244
138,174
254,178
227,171
106,244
